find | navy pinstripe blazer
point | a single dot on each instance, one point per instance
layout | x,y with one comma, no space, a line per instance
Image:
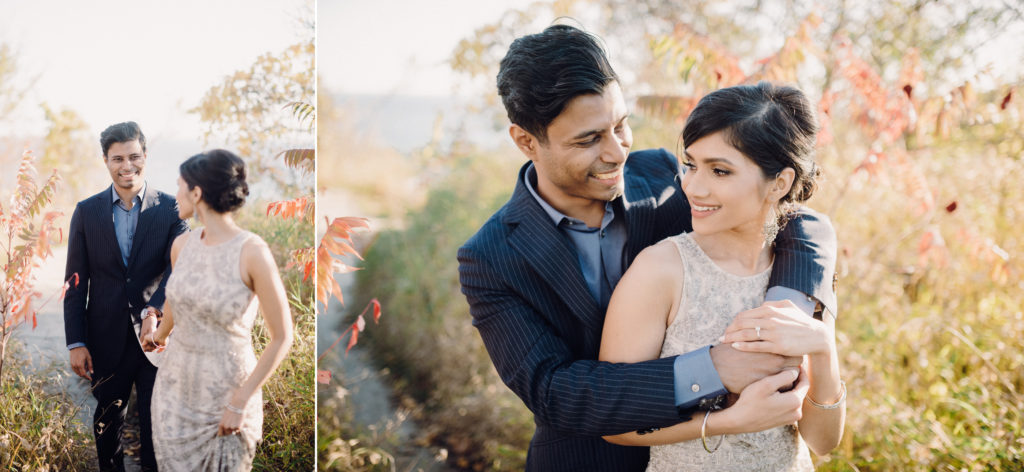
542,328
99,311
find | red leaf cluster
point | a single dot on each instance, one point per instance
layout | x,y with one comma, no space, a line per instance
335,244
296,208
27,243
355,328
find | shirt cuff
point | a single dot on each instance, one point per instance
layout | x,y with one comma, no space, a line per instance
695,378
802,301
74,345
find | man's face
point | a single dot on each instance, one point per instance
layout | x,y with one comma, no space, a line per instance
581,163
126,163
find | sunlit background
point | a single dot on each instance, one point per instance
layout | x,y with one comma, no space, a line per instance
922,149
118,60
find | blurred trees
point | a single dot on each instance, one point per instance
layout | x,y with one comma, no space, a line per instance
10,95
253,108
71,149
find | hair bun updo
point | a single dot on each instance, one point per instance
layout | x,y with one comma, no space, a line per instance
221,176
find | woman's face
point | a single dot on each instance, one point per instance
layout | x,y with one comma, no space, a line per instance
186,207
726,189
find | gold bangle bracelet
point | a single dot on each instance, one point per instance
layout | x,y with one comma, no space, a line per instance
833,406
704,437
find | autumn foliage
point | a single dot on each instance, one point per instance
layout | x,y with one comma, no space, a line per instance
28,231
922,153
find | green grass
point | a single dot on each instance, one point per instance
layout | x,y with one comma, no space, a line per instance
40,430
288,411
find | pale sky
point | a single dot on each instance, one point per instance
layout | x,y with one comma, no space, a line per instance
396,46
142,60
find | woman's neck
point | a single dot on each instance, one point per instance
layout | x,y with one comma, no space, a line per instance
217,227
742,250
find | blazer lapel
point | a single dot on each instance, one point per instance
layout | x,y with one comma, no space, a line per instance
104,214
639,204
147,213
549,252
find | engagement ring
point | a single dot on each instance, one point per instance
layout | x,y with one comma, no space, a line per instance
757,329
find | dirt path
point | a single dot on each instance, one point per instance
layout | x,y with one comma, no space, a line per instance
365,387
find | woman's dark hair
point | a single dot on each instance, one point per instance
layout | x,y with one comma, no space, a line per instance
122,133
543,72
773,125
221,176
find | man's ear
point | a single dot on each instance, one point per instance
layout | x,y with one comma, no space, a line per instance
526,142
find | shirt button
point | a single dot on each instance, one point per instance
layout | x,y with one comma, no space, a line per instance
695,388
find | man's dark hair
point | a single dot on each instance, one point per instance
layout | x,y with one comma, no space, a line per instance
543,72
773,125
122,133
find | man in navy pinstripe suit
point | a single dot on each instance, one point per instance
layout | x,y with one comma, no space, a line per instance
119,244
539,273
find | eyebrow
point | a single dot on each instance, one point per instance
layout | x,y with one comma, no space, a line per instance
584,134
710,160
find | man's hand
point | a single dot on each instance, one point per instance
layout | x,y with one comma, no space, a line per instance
146,333
737,369
81,362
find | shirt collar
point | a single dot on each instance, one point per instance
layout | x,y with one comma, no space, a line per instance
556,216
115,198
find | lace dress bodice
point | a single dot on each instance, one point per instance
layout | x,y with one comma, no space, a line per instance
209,355
711,298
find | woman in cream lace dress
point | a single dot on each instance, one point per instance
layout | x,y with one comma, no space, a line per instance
207,405
749,154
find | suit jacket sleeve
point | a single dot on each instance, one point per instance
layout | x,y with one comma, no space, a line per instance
805,257
579,396
75,330
179,227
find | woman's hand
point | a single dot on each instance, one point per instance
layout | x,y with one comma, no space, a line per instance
151,343
230,423
778,327
762,406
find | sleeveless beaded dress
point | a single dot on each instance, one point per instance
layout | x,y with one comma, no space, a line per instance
209,355
710,300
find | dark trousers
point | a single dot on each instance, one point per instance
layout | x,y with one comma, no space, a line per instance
112,385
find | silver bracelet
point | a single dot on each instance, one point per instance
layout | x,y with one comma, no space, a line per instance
842,398
232,409
704,437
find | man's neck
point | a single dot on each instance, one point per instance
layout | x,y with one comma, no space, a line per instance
588,211
128,195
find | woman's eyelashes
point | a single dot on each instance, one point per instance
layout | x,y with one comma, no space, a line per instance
718,171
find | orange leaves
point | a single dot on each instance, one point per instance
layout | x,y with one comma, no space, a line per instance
376,310
301,159
25,242
297,208
884,113
359,325
336,243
